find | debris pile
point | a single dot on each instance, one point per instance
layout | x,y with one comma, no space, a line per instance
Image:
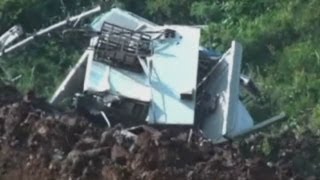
37,144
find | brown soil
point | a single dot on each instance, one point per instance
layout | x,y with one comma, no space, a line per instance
36,143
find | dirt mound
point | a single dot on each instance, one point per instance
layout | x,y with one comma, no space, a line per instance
39,144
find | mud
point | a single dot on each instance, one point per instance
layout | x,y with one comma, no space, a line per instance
36,143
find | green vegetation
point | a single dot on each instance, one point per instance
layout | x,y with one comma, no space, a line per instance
280,38
42,64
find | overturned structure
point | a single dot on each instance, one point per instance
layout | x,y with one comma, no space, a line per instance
140,71
135,69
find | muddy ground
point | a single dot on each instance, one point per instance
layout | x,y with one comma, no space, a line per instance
37,142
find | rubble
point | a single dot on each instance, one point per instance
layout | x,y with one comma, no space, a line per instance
37,144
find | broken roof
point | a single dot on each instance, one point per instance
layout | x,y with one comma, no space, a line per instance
173,71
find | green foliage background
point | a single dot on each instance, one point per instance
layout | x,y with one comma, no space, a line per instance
280,39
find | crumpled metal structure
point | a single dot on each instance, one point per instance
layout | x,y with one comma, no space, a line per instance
156,74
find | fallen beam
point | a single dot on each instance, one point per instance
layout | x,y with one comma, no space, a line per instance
50,28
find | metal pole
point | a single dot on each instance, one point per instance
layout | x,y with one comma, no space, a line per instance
9,36
50,28
261,125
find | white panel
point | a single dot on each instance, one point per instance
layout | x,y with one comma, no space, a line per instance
102,77
130,85
230,115
217,84
243,121
97,73
232,91
73,82
97,77
174,71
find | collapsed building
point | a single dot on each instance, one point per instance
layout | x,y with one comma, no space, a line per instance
142,72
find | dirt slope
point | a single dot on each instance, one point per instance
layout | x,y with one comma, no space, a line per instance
39,143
